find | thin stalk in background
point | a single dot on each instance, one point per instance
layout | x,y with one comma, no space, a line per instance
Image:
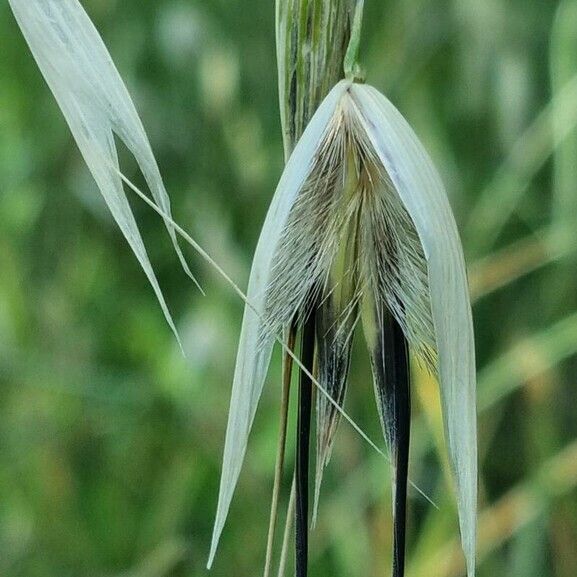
563,68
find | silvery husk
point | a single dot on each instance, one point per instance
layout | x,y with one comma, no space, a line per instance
97,106
360,212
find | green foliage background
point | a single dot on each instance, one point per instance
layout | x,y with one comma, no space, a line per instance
110,441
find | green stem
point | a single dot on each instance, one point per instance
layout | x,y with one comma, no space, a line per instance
287,530
352,69
287,371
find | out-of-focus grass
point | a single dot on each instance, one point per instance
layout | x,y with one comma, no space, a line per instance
110,442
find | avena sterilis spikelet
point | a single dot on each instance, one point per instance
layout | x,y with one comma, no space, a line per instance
359,231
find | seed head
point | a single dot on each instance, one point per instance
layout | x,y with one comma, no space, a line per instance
360,228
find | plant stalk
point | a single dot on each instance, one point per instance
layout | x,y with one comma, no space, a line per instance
279,466
287,530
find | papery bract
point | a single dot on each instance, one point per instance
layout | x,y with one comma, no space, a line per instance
97,106
360,224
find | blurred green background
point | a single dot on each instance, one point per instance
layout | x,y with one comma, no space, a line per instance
110,441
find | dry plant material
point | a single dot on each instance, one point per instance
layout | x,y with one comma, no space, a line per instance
360,230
